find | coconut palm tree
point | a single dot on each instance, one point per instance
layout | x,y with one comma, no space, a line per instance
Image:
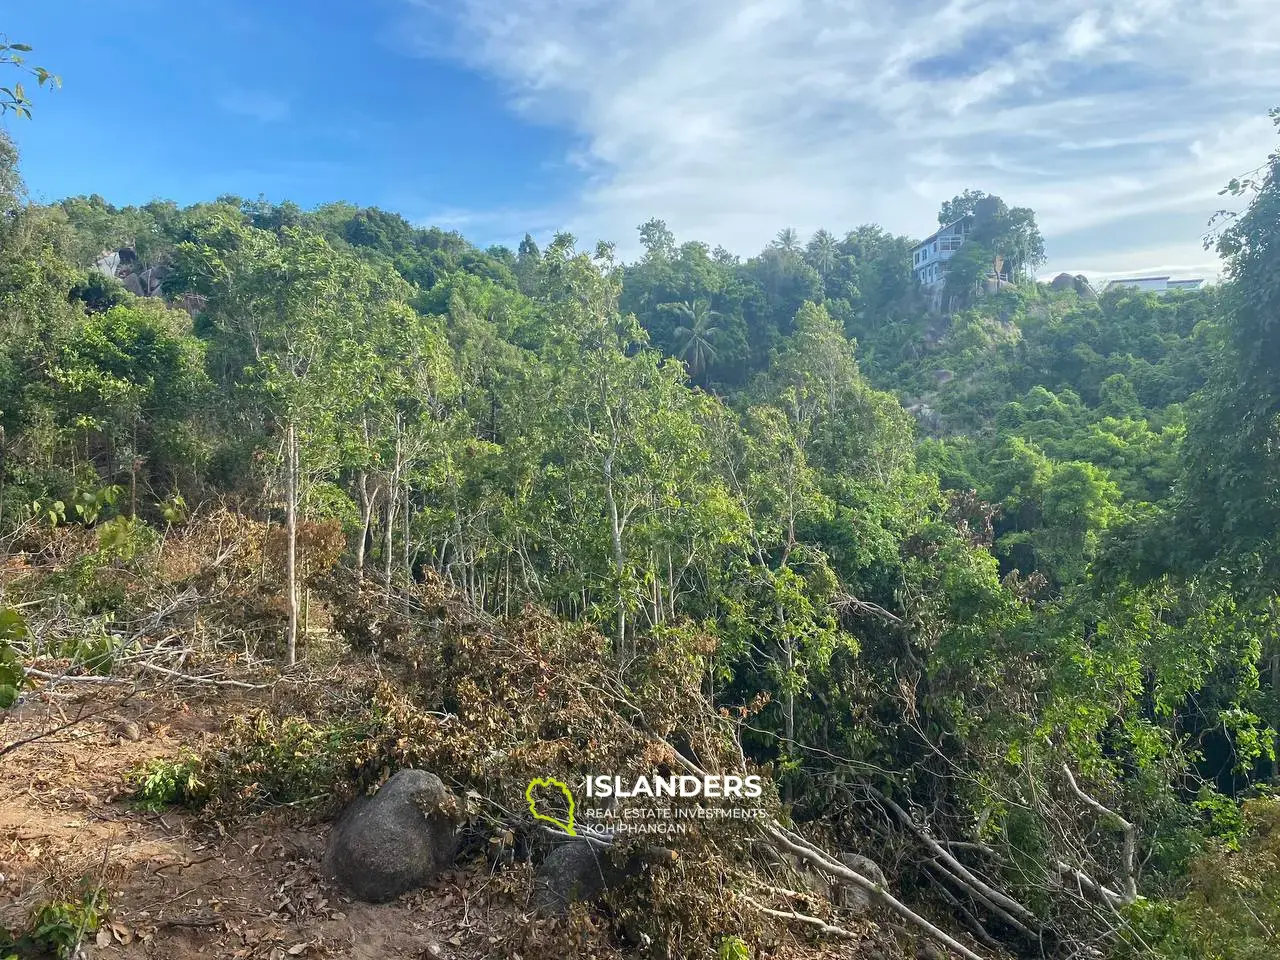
696,334
821,253
788,240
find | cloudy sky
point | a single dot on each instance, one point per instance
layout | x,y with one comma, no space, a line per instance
1117,123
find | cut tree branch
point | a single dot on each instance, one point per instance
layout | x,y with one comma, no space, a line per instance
1128,830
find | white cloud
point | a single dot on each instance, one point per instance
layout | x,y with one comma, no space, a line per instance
733,118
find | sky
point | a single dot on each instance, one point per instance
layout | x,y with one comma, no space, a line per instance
1118,123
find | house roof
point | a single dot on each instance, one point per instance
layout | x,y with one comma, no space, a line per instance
941,230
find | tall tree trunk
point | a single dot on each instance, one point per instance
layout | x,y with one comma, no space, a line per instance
389,538
1275,693
291,553
366,519
133,473
2,470
615,530
408,559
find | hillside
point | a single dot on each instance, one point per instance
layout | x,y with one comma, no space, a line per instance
291,501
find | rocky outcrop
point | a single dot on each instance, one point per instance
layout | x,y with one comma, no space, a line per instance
123,265
1079,283
396,840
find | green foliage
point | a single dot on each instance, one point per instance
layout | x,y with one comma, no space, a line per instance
937,557
733,948
60,927
89,504
13,629
1231,907
159,783
14,98
270,761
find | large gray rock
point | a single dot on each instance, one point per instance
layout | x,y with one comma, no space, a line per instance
580,872
572,873
855,898
395,840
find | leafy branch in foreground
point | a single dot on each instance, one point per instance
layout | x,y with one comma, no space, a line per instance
14,98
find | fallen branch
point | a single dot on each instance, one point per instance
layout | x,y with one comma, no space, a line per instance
150,667
803,849
966,915
824,928
69,678
1084,882
1001,903
212,681
1129,831
797,845
65,725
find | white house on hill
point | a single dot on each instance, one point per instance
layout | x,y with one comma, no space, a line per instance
930,256
1160,285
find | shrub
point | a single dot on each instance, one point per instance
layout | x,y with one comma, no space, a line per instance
59,927
1231,908
270,761
12,676
161,783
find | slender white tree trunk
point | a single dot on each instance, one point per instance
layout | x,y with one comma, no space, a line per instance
366,519
388,542
615,530
291,552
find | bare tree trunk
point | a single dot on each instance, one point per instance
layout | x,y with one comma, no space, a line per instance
366,518
408,560
392,484
133,473
615,530
2,469
291,553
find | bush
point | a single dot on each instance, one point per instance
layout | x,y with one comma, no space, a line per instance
270,761
160,783
12,676
1231,909
59,927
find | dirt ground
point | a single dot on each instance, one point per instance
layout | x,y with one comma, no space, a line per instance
179,887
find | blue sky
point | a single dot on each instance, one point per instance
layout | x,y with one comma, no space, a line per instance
730,119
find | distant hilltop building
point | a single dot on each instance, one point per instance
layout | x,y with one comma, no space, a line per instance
929,258
1161,285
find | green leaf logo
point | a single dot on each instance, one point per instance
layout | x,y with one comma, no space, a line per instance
550,783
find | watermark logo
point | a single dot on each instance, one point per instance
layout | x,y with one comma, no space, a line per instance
551,783
662,805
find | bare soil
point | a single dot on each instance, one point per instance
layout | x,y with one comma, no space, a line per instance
181,887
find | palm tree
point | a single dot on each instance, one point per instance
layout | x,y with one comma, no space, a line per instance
788,240
696,334
821,253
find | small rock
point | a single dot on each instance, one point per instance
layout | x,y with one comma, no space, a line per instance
396,840
855,898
